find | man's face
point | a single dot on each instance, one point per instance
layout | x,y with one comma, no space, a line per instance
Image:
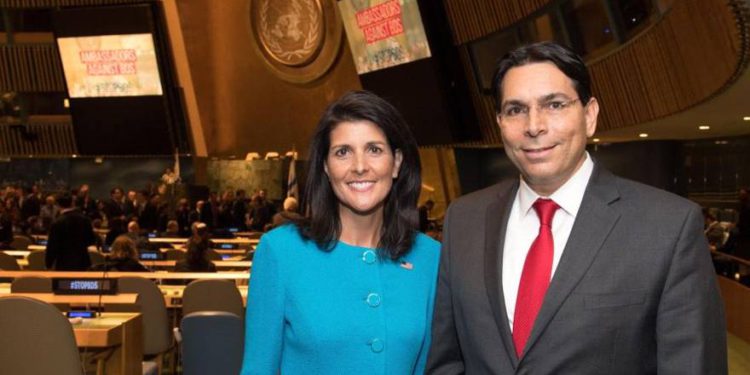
117,194
544,125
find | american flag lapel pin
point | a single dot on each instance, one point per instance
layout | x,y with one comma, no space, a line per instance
406,265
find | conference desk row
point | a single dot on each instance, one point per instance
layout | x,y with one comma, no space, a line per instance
30,248
241,277
161,264
172,297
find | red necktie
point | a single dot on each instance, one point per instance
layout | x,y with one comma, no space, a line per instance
537,270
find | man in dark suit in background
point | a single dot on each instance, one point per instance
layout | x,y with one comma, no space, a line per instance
570,269
69,238
115,207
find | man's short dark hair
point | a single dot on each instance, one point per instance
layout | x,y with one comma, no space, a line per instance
564,59
65,200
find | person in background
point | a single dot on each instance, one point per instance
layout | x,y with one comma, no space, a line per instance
117,226
115,207
31,205
713,230
224,213
210,210
239,211
349,290
49,211
173,230
85,203
123,257
182,214
130,205
196,213
6,228
69,238
149,219
424,215
134,232
289,213
197,247
261,212
743,209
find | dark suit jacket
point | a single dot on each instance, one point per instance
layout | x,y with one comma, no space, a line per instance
69,237
634,291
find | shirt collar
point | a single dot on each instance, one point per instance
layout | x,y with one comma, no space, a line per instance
568,196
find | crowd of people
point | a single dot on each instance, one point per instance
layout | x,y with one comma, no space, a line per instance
30,211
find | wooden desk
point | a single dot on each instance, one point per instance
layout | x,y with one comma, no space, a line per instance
231,251
220,251
120,332
123,298
217,263
234,275
17,253
254,237
167,240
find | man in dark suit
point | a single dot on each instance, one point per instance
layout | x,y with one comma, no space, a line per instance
115,207
570,269
69,238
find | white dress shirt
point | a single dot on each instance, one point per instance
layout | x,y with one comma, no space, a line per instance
523,228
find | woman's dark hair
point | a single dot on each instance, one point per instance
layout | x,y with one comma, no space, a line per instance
564,59
124,247
323,224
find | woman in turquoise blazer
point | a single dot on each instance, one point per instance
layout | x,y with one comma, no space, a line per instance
349,289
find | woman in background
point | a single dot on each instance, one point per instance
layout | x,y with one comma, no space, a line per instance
123,257
196,259
349,290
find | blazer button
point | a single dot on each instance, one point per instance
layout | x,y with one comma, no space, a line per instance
377,345
369,257
373,299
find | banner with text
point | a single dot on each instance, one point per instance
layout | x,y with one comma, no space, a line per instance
110,65
383,33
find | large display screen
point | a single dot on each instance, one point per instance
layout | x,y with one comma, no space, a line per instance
384,33
110,65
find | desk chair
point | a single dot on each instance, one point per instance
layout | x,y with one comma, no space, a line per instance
157,339
212,343
212,295
212,255
31,284
34,330
21,242
174,254
36,261
8,263
96,257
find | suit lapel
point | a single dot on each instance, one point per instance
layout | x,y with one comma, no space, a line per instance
594,222
496,222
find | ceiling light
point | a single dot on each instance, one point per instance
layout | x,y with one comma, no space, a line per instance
746,118
595,140
704,127
643,135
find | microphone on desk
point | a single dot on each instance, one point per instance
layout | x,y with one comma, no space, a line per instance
100,306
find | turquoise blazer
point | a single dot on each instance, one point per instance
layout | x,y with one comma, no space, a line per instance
346,311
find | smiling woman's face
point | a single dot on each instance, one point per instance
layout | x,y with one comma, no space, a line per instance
361,166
